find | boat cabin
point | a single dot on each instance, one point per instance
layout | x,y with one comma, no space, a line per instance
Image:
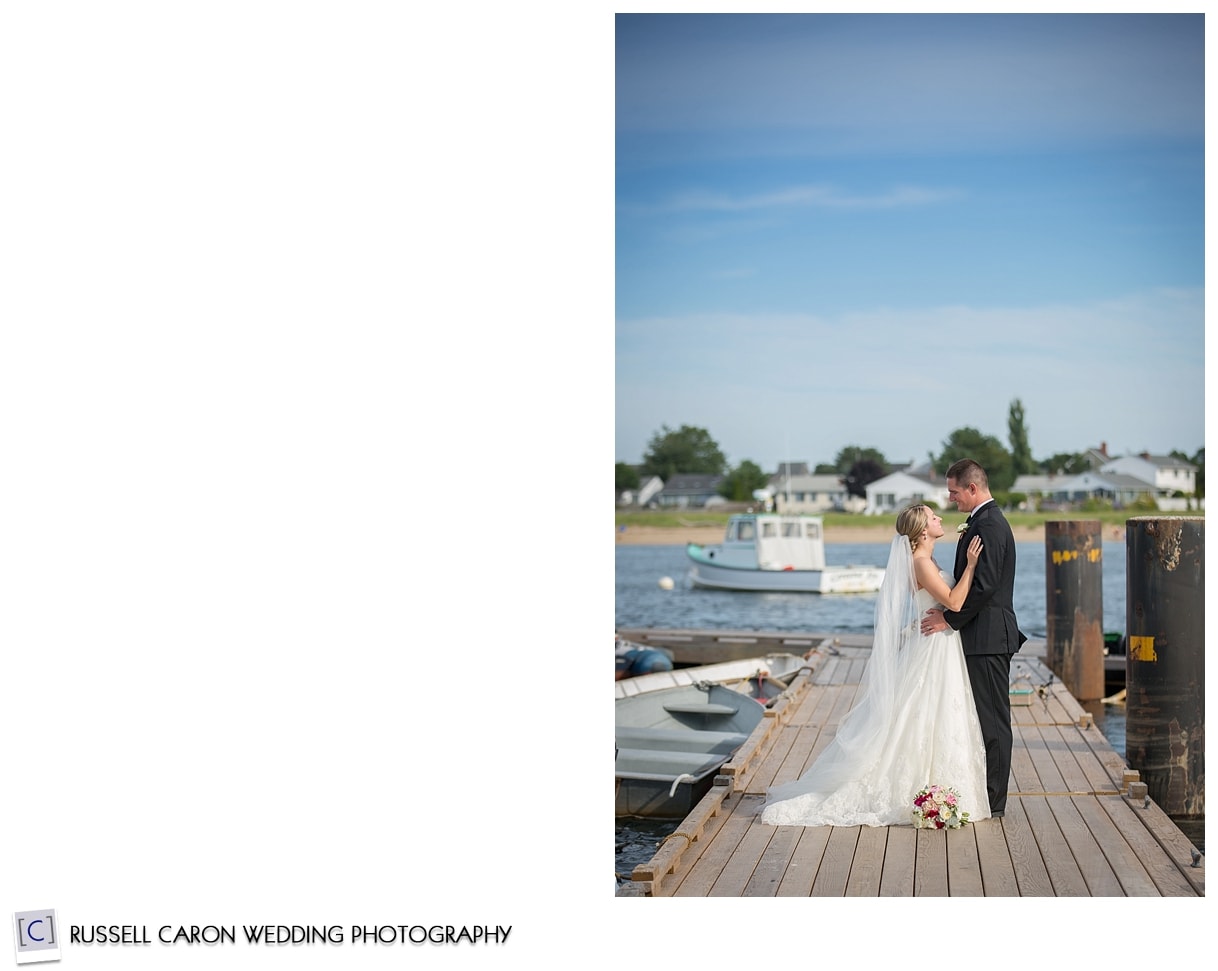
769,541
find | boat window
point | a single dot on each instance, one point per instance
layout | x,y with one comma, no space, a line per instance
769,530
813,530
745,531
790,529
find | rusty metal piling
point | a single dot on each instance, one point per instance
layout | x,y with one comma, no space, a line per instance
1165,666
1074,606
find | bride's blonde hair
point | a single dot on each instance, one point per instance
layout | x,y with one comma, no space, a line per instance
912,521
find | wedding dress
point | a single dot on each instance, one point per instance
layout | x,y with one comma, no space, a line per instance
913,724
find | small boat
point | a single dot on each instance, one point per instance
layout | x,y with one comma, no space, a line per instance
770,552
670,743
762,678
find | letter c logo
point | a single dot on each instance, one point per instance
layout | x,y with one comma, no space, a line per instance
29,930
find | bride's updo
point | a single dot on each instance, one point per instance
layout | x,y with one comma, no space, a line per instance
912,522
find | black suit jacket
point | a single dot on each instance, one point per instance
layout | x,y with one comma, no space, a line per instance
986,619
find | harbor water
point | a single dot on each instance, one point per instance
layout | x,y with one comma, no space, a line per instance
641,601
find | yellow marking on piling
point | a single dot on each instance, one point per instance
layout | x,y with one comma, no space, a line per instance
1142,649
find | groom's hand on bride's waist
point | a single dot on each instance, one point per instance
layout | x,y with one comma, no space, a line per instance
933,622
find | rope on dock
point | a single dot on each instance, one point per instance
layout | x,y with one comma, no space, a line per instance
688,839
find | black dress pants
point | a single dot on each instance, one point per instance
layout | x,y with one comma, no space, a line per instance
990,676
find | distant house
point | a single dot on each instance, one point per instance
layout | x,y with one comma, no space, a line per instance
808,493
1038,485
684,491
1165,474
888,495
1098,457
1122,481
1120,490
649,486
792,469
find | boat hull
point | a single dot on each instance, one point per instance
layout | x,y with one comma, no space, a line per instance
671,743
832,579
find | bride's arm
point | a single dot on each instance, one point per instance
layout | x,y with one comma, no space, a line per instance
932,581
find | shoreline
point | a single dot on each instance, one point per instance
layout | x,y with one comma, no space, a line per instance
711,535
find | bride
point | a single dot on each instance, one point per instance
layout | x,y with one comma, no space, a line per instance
914,723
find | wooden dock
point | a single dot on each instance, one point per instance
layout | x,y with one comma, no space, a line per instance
690,647
1078,822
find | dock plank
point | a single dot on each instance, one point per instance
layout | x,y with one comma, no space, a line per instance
1134,879
1031,874
964,863
834,873
775,861
867,869
1065,877
994,858
930,863
1170,880
706,868
805,861
899,861
741,865
1094,866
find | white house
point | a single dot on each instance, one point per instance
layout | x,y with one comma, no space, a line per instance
889,495
809,493
1121,490
1118,487
1166,474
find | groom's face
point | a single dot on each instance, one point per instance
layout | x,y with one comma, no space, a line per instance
965,497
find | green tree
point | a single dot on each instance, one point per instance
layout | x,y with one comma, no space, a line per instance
851,455
738,484
985,450
688,449
625,477
861,474
1022,462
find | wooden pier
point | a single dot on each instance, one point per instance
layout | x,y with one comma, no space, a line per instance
689,647
1078,822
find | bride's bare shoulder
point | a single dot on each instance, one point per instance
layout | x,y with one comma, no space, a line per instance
924,568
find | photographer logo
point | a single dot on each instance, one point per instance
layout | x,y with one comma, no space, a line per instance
35,936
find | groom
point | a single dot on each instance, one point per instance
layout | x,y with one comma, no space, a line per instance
986,620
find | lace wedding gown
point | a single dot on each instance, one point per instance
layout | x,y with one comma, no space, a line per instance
921,730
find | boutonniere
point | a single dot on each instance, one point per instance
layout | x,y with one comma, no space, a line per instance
962,527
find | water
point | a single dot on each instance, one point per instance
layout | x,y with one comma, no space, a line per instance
641,602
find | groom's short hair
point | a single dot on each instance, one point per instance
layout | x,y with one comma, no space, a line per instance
965,472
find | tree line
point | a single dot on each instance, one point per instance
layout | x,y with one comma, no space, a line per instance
690,450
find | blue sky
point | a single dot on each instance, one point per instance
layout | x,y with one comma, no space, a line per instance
872,230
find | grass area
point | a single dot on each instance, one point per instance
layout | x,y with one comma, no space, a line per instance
697,517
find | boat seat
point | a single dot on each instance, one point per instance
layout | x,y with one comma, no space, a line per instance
701,709
679,740
641,763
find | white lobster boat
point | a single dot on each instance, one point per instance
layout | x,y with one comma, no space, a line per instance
770,552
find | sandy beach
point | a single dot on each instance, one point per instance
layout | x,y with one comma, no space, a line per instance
707,535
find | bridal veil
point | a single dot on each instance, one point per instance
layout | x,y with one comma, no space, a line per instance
863,731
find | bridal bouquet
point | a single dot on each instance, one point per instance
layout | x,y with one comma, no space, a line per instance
938,807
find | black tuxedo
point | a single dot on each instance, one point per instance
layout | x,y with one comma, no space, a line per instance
990,635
